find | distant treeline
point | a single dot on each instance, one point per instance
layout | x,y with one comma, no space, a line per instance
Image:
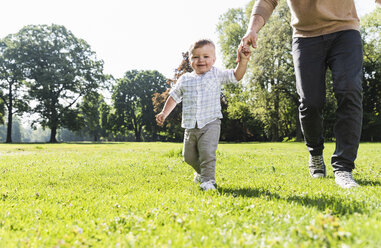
48,73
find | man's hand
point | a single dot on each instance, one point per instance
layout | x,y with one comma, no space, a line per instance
251,36
250,39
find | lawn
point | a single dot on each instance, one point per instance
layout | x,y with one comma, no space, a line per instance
142,195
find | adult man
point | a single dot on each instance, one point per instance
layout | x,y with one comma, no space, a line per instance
325,34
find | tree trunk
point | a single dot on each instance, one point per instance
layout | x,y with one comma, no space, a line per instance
275,125
10,116
53,135
9,127
138,132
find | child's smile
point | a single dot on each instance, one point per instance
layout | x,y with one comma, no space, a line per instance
202,59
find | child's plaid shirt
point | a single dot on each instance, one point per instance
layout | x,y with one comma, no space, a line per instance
201,96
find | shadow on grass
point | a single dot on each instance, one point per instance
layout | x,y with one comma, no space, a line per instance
366,182
338,206
362,182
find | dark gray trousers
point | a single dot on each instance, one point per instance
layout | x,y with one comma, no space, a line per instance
342,53
200,146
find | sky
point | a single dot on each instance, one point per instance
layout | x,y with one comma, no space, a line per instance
131,34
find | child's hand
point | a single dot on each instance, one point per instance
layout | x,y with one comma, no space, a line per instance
243,53
160,118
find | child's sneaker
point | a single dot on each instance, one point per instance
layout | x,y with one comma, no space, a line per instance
197,178
209,185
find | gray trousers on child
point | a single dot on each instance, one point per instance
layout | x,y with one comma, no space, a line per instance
200,146
342,53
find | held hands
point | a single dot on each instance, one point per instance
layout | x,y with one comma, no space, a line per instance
250,39
243,53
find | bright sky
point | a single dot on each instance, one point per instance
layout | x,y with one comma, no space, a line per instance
131,34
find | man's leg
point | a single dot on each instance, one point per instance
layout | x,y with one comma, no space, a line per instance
345,60
310,69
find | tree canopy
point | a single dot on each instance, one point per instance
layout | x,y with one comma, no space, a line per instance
132,102
47,72
59,69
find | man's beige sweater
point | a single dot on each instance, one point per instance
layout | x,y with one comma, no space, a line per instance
311,18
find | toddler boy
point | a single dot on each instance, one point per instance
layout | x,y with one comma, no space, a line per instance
200,93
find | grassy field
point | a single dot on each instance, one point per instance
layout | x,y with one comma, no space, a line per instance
142,195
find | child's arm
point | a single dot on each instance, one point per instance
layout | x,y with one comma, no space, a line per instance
244,55
169,105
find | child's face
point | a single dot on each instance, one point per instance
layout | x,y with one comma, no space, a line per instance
203,58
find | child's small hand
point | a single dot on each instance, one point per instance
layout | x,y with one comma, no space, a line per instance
243,52
160,118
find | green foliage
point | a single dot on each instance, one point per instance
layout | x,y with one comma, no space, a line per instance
371,35
172,130
273,99
142,195
17,131
12,88
239,122
329,111
132,102
270,79
59,69
2,111
231,28
90,108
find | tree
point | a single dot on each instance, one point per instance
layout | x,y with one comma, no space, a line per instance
272,77
371,35
90,108
270,74
106,122
2,110
132,102
172,130
231,28
60,69
12,87
240,123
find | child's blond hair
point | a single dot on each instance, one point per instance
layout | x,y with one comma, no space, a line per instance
200,43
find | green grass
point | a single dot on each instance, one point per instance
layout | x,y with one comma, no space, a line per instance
142,195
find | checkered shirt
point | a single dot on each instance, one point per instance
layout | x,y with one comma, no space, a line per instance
200,95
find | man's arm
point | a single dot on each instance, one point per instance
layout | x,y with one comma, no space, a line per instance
251,36
378,2
261,12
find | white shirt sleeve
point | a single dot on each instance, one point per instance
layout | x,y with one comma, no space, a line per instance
176,92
